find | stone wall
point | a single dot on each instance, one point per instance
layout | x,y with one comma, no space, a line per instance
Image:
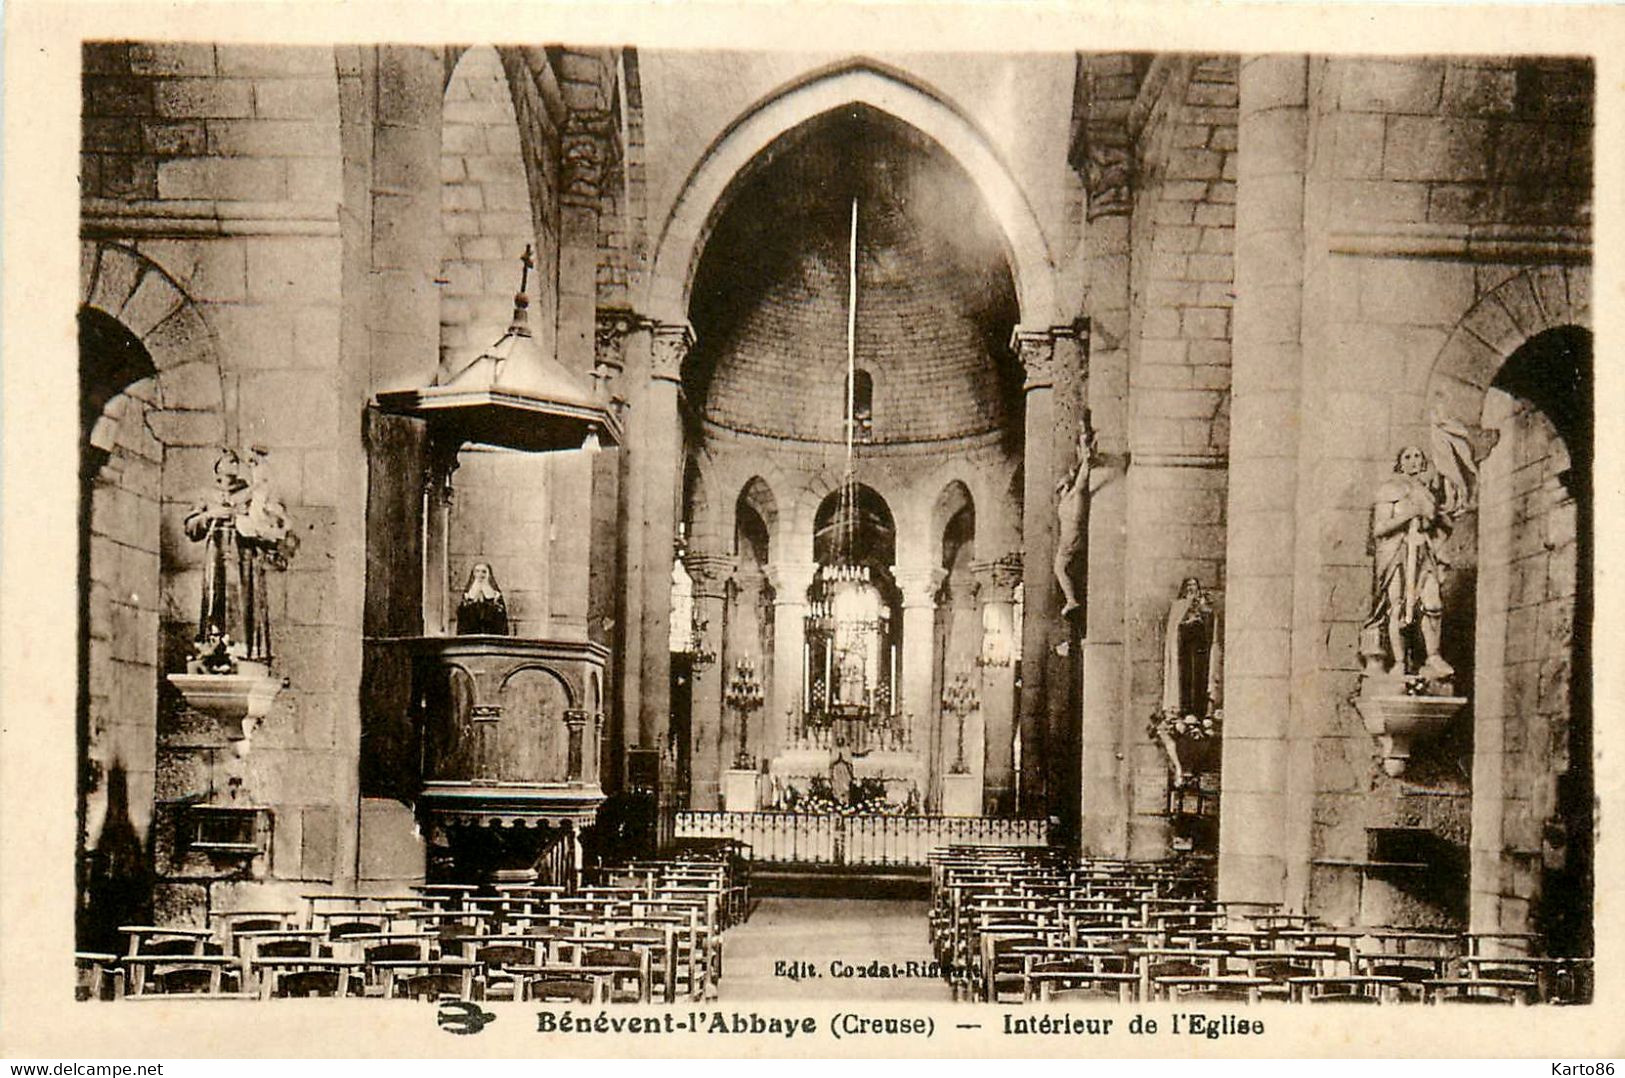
1527,591
124,604
1397,252
1169,502
486,221
211,194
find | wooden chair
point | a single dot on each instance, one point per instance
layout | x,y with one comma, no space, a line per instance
561,988
1479,990
280,977
432,987
97,975
186,980
496,979
314,982
628,970
432,979
1364,989
157,973
396,951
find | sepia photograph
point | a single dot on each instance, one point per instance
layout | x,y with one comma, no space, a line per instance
628,529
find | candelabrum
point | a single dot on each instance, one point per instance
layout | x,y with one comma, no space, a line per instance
959,700
700,655
744,695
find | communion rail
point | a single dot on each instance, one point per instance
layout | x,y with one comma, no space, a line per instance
802,838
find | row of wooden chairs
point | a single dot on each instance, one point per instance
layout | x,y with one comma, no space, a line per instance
1010,925
651,932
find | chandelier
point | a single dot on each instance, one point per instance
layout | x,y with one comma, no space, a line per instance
850,659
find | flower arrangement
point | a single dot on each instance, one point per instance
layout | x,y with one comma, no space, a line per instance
1187,727
867,797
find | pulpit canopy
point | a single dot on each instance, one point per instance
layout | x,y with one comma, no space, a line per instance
514,396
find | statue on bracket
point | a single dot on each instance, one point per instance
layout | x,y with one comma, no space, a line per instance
482,611
1190,709
1192,653
243,527
1412,514
1407,689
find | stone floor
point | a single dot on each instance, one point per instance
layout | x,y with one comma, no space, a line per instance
833,937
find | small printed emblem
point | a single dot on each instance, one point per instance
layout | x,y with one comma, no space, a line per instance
462,1017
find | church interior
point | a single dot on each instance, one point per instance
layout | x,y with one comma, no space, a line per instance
584,523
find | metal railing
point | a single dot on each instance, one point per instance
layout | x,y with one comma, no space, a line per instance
800,838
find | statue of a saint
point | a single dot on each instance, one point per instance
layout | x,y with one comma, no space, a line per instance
244,528
482,610
1408,528
212,521
1191,653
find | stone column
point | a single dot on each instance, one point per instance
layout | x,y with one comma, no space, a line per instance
790,582
586,147
660,474
627,730
1261,535
576,598
996,582
1062,754
708,754
921,710
610,535
1108,732
1042,595
404,190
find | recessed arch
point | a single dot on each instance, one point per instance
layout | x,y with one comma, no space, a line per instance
1514,312
952,512
123,287
704,195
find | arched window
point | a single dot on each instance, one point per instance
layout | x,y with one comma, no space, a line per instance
862,396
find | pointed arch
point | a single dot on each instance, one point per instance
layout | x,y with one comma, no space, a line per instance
705,192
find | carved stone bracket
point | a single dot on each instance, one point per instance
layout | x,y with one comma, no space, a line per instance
672,341
710,573
585,144
998,579
1108,171
790,582
610,331
919,586
1036,352
442,464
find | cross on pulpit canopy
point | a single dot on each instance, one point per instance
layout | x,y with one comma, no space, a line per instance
527,262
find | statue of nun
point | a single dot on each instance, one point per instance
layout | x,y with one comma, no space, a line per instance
1191,655
482,610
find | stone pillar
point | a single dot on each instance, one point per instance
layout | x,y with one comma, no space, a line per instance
1042,595
790,582
586,146
1105,156
920,585
404,336
996,582
1260,541
1062,754
708,752
610,536
660,475
627,731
